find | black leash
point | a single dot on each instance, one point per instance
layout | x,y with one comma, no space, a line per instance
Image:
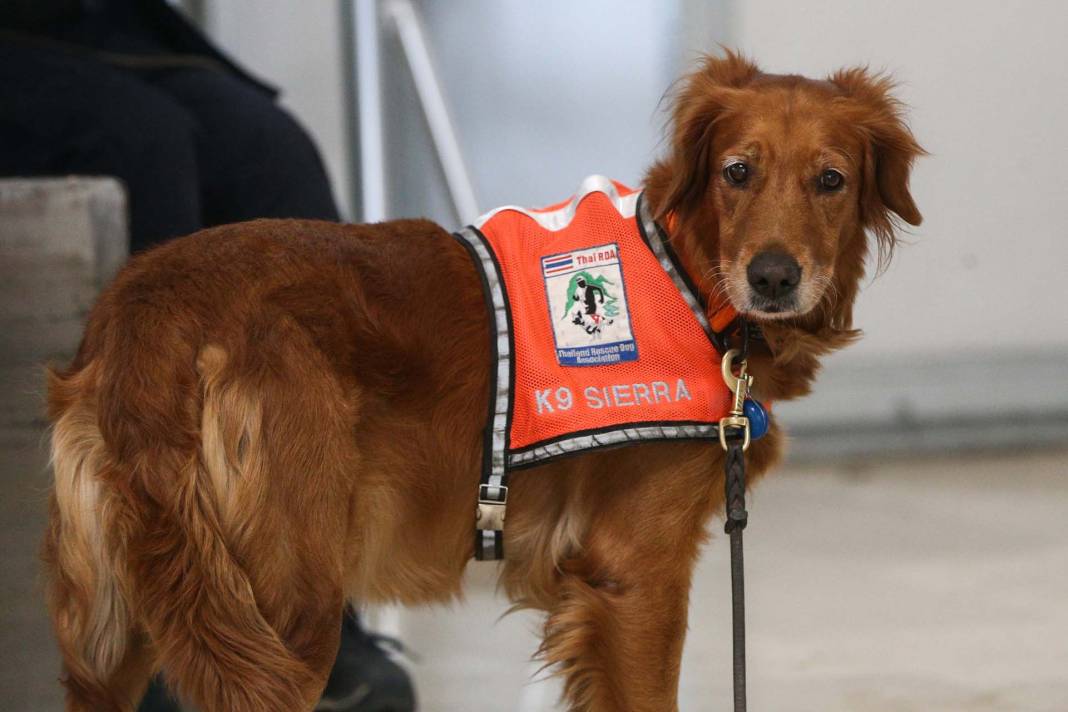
734,435
734,472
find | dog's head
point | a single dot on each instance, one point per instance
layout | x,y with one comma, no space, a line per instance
776,178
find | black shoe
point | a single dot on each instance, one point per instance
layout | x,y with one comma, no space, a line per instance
364,679
157,699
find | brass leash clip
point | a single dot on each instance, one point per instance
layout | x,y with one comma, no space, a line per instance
739,385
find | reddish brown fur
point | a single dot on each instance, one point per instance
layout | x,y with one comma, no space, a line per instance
266,418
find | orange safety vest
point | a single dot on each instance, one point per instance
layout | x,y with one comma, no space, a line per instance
599,337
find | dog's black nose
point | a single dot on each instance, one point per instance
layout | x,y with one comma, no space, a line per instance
773,274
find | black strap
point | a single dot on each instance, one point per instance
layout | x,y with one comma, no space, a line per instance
734,484
744,330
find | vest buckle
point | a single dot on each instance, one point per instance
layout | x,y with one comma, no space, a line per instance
492,501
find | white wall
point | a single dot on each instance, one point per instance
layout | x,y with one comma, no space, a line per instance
988,85
297,47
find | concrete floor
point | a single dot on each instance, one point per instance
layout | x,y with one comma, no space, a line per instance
908,586
923,586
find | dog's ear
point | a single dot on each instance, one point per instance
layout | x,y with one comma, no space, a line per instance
891,148
701,100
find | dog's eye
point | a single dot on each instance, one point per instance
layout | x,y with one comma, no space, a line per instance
736,173
831,180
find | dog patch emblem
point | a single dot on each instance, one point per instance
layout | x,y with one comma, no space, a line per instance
588,307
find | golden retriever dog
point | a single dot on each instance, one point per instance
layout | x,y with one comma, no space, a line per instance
267,419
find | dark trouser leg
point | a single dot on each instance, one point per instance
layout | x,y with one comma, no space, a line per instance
65,114
254,159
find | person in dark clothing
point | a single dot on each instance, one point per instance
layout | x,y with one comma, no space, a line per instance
129,88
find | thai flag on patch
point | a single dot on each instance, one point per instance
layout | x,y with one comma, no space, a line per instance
557,264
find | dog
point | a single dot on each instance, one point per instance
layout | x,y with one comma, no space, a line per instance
266,419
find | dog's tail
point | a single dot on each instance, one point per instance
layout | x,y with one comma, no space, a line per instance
87,596
138,544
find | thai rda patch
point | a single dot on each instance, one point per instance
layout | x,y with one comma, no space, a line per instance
588,307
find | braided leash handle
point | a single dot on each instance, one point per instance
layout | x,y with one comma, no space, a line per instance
734,483
737,517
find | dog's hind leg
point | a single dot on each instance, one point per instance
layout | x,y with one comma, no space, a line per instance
202,498
239,573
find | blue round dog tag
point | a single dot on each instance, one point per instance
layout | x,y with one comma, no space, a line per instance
758,418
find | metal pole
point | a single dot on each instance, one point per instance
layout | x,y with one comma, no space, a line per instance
352,208
371,153
442,132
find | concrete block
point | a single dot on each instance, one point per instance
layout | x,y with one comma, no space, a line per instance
61,241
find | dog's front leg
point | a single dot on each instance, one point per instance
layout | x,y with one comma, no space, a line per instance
618,642
615,629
